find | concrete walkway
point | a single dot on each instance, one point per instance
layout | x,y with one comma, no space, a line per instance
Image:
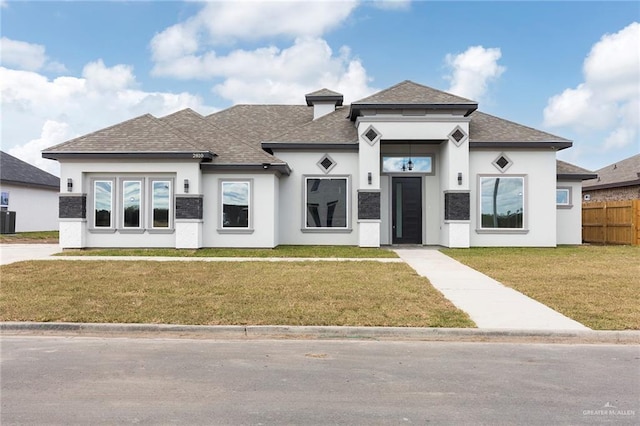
10,253
490,304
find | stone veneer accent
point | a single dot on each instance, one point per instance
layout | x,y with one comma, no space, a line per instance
189,207
368,204
72,206
456,206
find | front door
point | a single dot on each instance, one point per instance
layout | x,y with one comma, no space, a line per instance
406,199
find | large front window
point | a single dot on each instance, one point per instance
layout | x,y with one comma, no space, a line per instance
161,201
326,202
502,204
236,204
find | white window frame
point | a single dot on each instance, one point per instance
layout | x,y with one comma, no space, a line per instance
113,215
117,204
305,212
222,229
569,203
525,207
152,227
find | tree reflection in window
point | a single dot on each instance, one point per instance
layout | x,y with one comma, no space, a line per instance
326,202
502,202
103,196
235,204
131,203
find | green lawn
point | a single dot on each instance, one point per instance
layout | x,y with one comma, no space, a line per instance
280,251
364,293
598,286
48,237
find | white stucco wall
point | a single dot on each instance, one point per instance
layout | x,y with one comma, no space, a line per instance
292,210
539,169
82,173
36,209
569,219
263,208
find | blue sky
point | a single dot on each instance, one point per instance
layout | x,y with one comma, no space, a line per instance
569,68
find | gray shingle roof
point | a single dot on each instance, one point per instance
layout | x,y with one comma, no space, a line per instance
16,171
257,123
331,128
566,170
141,134
621,173
488,128
409,92
228,148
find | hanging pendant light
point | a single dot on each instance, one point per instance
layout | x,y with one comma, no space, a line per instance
410,163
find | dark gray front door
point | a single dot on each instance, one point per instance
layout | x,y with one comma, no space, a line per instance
406,200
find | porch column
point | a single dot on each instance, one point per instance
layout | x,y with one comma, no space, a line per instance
368,185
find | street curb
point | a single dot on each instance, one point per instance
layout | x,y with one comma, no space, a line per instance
318,332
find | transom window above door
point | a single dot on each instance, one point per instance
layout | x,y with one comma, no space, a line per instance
407,164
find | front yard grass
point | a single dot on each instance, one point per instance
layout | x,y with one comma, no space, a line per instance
279,251
598,286
39,237
248,293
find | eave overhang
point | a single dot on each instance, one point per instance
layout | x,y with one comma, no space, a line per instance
567,176
279,168
527,145
356,109
302,146
204,156
30,185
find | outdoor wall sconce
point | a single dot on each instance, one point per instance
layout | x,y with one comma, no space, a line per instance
369,178
69,185
459,178
186,186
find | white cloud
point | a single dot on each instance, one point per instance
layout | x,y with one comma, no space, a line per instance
26,56
38,112
473,70
608,98
296,61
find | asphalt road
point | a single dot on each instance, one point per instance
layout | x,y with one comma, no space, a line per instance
79,380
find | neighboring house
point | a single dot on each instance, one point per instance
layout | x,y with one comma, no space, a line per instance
615,182
30,192
407,165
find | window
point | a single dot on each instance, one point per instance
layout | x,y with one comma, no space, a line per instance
502,202
132,204
236,204
563,197
103,203
418,164
161,201
326,202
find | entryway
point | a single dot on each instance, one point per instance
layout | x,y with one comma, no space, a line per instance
406,207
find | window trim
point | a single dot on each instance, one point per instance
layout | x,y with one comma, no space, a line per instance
117,181
569,203
525,205
161,229
315,229
250,220
112,226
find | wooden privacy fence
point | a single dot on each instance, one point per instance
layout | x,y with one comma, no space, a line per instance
611,222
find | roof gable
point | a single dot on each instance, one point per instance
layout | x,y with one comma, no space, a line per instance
14,170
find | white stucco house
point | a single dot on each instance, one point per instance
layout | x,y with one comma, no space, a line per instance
29,194
407,165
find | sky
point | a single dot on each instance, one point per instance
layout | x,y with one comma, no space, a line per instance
69,68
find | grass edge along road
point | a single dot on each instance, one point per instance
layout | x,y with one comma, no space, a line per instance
239,293
595,285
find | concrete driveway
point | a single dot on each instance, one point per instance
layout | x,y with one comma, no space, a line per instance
10,253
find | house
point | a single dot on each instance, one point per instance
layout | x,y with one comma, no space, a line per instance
29,192
615,182
407,165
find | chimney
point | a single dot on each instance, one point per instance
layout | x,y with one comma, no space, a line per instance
323,101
